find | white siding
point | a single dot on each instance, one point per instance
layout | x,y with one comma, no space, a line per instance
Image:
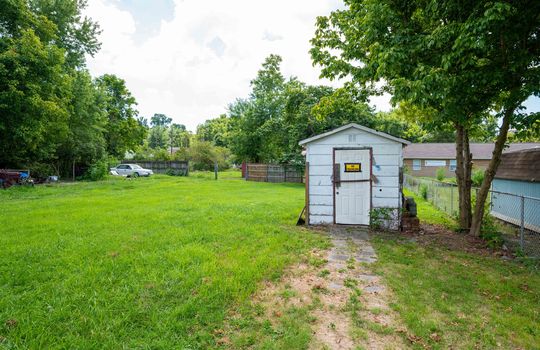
387,160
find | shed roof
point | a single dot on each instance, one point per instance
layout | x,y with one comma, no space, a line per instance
521,165
448,150
355,126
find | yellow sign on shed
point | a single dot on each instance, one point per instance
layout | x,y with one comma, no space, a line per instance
353,167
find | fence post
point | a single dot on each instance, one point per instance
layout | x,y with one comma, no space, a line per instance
522,226
284,173
452,200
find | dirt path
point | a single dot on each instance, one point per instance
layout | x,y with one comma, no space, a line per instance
348,304
355,312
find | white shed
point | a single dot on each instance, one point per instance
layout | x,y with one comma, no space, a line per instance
354,173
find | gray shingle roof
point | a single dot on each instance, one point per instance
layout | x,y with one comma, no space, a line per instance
448,150
521,165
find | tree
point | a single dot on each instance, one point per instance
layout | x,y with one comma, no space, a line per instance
178,136
160,120
259,118
76,34
85,142
158,137
216,131
462,61
123,132
33,87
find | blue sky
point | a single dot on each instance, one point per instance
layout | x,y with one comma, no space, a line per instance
533,104
148,15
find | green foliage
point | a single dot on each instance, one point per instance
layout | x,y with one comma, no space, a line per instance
441,174
98,170
202,155
123,131
477,177
423,191
217,131
460,61
54,117
379,217
490,231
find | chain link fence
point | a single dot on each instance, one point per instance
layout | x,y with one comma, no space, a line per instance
517,216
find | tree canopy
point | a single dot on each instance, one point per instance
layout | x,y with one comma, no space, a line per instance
53,114
464,62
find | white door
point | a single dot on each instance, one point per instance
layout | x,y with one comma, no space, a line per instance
352,186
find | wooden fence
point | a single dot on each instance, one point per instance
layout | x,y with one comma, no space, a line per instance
163,167
273,173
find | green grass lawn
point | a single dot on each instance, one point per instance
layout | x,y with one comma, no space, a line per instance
466,300
428,214
454,299
146,263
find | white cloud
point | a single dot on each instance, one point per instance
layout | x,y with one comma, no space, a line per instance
205,57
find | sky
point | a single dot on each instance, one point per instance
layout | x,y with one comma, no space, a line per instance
189,59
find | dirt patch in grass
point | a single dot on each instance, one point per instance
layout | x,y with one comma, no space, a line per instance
441,236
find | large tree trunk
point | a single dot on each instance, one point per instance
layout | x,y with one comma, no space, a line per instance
463,176
490,173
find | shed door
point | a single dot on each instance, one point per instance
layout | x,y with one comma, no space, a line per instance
352,173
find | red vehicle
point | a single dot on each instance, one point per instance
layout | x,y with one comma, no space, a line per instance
9,178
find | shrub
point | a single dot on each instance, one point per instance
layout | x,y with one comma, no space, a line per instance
380,217
441,174
99,169
423,191
203,154
477,177
490,232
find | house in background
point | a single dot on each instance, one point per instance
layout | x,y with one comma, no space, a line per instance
516,189
423,159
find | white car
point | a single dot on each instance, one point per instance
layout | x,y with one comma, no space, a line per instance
131,170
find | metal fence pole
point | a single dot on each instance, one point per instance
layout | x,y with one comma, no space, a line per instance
451,200
522,226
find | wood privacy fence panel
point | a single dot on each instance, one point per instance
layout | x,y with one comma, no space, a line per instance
164,167
273,173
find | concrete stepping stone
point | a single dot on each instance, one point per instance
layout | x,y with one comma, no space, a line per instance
366,259
367,278
374,289
338,257
335,285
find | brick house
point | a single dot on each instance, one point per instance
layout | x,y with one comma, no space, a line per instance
423,159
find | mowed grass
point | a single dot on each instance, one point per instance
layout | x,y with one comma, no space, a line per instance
428,214
450,299
454,299
146,263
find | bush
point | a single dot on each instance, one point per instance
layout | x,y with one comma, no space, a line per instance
441,174
99,169
477,177
203,154
490,232
423,191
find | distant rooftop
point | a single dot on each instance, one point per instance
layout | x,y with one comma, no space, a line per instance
520,165
448,150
